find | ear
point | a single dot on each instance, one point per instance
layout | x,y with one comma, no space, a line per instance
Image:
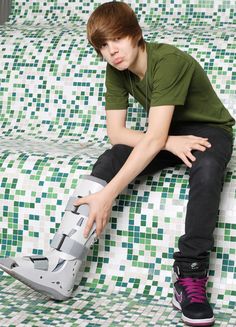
140,39
135,40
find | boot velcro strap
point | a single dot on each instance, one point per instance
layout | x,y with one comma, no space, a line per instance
40,262
70,204
82,209
63,243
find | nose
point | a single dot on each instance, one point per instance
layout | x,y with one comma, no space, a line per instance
112,48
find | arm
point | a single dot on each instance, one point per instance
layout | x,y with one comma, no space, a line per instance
117,131
152,142
144,151
180,145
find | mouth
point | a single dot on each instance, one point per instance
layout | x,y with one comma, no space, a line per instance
117,61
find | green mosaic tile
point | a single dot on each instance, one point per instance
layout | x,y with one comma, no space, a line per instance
94,308
187,12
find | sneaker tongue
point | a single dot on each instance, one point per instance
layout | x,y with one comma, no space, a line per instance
194,270
193,274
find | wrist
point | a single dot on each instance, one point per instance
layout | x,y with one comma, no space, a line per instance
167,145
110,192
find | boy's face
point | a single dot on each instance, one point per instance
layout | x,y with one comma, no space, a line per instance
120,53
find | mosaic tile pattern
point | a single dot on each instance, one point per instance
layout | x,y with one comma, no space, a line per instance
53,129
93,308
187,12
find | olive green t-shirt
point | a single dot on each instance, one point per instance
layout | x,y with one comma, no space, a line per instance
173,77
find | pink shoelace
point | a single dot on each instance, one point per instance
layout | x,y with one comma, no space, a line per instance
195,288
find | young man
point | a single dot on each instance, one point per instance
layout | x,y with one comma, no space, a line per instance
187,123
181,102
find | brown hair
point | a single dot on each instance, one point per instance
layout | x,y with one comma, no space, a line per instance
113,20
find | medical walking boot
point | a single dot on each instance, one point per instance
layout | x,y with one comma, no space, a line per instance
189,287
55,273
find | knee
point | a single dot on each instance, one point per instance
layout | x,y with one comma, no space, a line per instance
110,162
115,152
103,167
105,158
207,170
119,149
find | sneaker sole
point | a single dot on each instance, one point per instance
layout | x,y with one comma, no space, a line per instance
193,322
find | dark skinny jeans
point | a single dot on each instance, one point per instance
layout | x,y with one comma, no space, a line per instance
205,183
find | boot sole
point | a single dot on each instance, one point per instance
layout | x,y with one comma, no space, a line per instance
49,292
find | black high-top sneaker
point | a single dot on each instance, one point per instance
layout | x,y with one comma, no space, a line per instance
189,286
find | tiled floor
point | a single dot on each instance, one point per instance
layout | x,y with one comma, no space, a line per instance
20,306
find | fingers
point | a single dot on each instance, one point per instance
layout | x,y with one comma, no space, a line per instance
190,155
184,158
196,146
99,210
99,227
100,224
205,143
80,201
185,144
199,143
89,225
91,218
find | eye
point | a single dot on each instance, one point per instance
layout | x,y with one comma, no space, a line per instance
103,45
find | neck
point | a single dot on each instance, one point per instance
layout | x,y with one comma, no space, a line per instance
139,67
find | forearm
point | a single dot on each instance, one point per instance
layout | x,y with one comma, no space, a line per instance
128,137
142,154
132,138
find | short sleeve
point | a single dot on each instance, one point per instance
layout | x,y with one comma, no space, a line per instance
171,80
116,95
